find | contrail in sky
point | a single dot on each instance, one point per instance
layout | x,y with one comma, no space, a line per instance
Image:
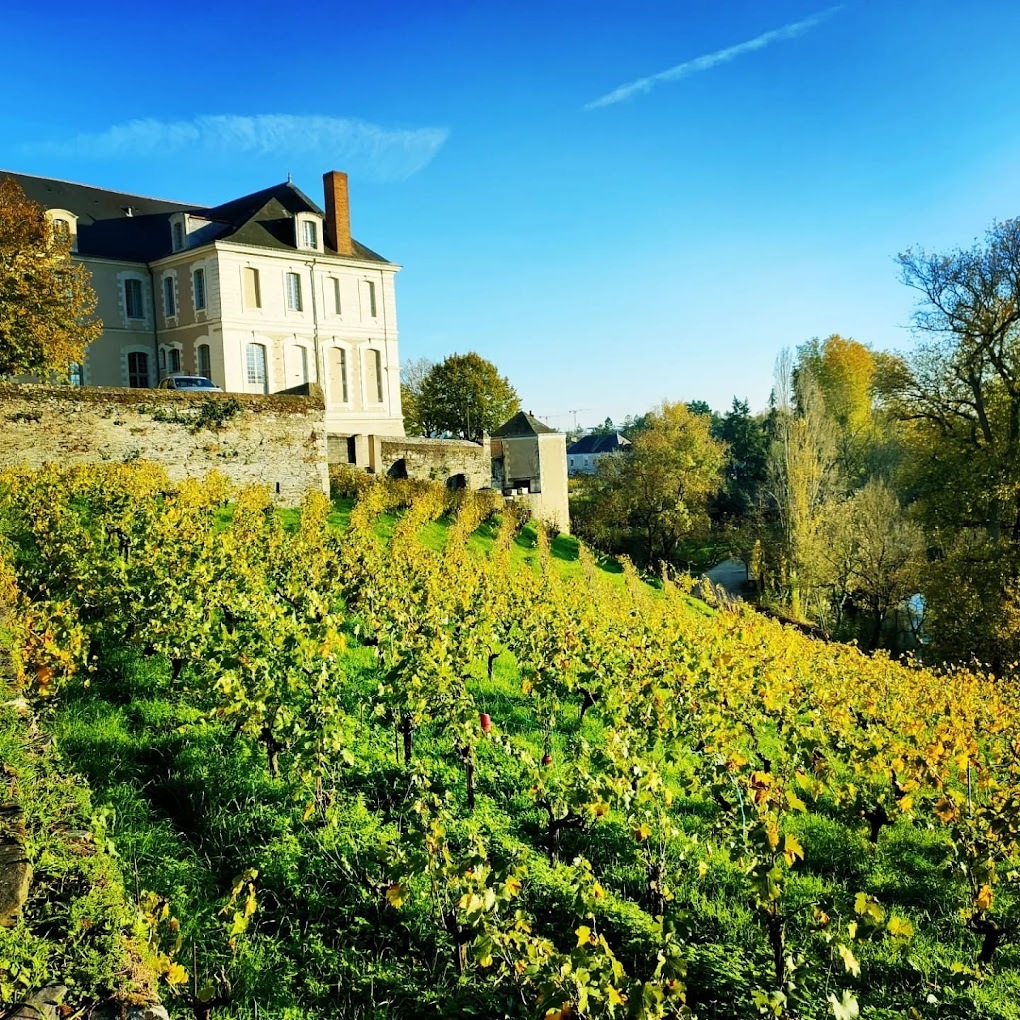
709,60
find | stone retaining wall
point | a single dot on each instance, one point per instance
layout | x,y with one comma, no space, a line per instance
274,440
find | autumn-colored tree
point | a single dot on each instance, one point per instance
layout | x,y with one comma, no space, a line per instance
464,395
959,398
875,554
661,486
46,298
803,476
850,377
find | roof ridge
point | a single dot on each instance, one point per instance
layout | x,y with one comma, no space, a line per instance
109,191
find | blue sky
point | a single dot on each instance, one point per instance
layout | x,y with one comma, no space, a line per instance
608,234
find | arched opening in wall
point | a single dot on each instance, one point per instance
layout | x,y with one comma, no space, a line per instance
456,482
337,368
398,469
204,361
258,374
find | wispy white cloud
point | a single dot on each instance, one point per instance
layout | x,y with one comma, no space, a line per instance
379,152
707,61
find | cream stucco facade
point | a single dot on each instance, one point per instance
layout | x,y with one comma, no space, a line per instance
264,294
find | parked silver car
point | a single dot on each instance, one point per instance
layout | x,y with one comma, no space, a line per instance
189,382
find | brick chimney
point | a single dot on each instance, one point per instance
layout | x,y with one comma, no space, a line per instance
338,212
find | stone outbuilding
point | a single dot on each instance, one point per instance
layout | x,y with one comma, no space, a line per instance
529,463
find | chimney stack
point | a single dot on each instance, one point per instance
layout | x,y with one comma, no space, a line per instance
338,212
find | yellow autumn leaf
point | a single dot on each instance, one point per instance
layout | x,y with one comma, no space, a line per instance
702,869
176,974
792,849
984,897
899,928
945,809
850,961
614,997
513,886
796,804
583,935
642,832
396,895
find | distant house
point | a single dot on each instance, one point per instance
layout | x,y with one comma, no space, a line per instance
584,454
529,463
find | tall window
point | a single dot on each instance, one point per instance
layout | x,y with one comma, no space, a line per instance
133,307
257,375
175,360
338,375
61,230
371,299
252,288
169,297
303,363
74,373
162,361
310,233
204,361
373,380
198,286
178,236
138,370
294,292
336,294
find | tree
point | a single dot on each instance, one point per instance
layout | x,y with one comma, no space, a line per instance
46,298
464,395
802,477
661,487
959,395
845,372
747,448
875,553
412,377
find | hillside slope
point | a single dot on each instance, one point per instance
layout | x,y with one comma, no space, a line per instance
402,759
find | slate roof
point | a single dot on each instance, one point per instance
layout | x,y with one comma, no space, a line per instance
598,443
263,219
522,424
104,228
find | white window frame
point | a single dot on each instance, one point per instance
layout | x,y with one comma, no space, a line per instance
293,297
248,350
379,397
345,352
338,308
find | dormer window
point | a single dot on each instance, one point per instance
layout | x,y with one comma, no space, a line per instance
64,225
177,230
308,232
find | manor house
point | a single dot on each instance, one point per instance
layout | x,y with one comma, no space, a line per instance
262,294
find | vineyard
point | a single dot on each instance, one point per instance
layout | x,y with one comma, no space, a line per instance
408,755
